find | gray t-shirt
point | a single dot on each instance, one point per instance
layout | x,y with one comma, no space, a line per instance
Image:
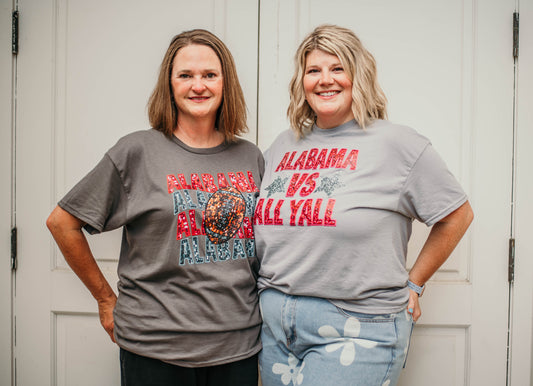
336,208
187,267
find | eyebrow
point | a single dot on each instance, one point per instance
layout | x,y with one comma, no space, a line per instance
204,70
316,65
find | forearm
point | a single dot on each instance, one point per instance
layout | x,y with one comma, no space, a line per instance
442,240
67,232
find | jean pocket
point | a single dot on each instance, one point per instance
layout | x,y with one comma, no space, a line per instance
367,318
409,342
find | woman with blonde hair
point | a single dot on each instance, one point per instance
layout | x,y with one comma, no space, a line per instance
183,192
333,221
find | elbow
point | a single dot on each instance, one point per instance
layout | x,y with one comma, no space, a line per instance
61,221
465,216
52,222
469,215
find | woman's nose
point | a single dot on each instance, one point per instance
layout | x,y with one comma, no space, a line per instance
198,85
326,78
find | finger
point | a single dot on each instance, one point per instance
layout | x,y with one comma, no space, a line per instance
111,332
112,335
411,305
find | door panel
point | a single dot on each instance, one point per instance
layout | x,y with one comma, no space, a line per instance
86,72
433,64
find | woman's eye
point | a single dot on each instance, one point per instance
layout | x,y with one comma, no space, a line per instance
338,69
183,76
312,71
211,75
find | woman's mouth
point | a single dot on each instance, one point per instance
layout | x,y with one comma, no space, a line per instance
328,93
199,98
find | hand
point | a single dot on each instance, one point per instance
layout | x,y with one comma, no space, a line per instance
413,306
105,309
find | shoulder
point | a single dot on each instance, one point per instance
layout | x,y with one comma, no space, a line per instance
398,139
246,149
243,144
396,133
136,141
140,137
286,137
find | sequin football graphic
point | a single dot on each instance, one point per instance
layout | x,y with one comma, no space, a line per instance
224,212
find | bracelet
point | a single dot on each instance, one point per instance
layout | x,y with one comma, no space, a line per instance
418,289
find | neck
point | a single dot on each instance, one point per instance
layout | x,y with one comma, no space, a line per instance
198,133
331,122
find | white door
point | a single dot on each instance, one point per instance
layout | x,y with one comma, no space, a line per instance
85,72
447,70
86,69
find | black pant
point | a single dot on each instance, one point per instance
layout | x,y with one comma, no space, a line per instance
136,370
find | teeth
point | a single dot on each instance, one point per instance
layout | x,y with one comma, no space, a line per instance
329,93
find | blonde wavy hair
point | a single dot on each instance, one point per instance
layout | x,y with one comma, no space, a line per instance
231,115
368,100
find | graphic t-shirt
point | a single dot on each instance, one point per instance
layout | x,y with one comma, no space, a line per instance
187,267
336,208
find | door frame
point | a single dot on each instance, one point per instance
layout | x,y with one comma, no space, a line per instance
7,66
521,328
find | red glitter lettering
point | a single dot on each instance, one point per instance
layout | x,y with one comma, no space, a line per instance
288,165
268,220
242,181
306,213
316,212
252,182
183,182
351,160
311,183
172,183
328,221
258,214
300,162
311,159
277,219
321,159
295,183
281,165
222,182
183,226
209,183
294,208
192,220
248,228
196,183
335,158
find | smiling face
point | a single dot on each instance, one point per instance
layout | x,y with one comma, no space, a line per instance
197,83
328,89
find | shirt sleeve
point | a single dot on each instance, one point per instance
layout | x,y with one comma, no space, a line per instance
99,199
430,192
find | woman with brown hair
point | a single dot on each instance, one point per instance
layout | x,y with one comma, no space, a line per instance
183,192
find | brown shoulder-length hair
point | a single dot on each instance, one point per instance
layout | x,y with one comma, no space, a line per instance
231,115
368,99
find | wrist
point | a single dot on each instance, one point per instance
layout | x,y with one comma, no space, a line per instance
418,289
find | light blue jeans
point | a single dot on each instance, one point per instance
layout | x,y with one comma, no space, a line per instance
309,341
